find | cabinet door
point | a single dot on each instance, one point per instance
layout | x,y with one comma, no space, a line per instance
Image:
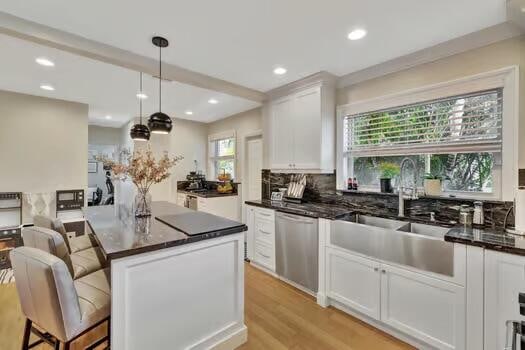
250,234
307,129
504,279
426,308
354,281
282,130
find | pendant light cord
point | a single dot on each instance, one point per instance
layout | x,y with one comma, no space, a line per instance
140,99
160,78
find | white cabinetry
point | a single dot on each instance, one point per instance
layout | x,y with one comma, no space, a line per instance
504,279
427,308
181,199
261,236
227,207
355,282
421,306
302,130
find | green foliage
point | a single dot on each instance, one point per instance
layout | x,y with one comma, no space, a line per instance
388,170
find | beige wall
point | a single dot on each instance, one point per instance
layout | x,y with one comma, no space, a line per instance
245,123
100,135
502,54
43,143
187,139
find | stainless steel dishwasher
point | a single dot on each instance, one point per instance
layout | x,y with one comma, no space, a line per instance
297,249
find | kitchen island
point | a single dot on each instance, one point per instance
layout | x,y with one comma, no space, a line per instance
176,283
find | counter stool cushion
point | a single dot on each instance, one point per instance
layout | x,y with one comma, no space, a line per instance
80,243
94,296
87,261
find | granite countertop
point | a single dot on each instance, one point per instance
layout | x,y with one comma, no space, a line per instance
489,239
207,194
310,209
119,233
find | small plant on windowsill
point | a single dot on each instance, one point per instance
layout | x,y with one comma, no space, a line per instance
432,183
388,172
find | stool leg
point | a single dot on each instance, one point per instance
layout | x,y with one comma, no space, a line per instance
57,344
66,345
27,334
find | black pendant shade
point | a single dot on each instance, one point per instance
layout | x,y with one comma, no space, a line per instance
140,132
160,123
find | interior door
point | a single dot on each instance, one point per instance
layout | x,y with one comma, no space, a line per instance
254,158
307,133
282,130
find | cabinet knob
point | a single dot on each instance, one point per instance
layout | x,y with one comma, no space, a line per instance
376,269
383,271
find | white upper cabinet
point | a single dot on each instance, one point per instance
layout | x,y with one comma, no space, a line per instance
302,130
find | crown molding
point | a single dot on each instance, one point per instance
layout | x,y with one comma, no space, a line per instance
464,43
318,78
40,34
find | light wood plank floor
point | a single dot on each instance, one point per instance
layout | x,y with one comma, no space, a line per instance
278,316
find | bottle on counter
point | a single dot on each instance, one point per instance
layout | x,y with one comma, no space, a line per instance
355,184
350,184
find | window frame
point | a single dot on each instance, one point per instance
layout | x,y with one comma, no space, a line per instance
213,158
505,178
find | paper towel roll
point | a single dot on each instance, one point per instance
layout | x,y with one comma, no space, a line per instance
519,210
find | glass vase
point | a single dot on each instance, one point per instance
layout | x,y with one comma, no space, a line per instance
142,204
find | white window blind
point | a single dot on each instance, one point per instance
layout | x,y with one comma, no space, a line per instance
460,124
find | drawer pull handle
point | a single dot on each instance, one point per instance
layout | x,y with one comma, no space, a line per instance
266,233
265,214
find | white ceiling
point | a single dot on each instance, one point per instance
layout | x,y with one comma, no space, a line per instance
241,41
108,89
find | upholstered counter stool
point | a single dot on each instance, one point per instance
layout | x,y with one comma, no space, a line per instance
61,309
74,243
79,264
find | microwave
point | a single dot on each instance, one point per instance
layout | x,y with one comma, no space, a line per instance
69,200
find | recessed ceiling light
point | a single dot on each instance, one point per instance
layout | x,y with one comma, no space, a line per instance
189,112
357,34
44,62
213,101
47,87
108,117
142,96
523,9
279,70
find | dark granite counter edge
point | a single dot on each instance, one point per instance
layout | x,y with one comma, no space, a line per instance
211,194
180,242
486,245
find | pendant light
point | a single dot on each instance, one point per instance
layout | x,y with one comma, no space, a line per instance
160,123
140,132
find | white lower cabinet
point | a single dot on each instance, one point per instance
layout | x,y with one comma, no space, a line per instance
504,280
261,236
423,307
426,308
355,282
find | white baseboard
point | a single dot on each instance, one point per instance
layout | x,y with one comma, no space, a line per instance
233,341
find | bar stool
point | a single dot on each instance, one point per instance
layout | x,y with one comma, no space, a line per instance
79,264
61,308
74,243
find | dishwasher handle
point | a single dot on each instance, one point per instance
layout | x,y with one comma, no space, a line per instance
295,218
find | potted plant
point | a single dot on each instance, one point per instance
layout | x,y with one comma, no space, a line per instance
432,184
388,172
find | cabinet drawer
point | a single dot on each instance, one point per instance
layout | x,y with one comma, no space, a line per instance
265,214
264,255
265,231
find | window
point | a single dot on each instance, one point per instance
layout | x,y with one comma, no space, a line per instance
222,154
458,138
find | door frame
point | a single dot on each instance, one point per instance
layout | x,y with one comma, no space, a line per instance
246,137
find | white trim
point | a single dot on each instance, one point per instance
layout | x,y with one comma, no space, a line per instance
228,134
506,78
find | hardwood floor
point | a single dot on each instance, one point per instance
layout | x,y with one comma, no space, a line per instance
278,317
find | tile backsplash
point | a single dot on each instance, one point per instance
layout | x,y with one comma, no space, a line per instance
322,188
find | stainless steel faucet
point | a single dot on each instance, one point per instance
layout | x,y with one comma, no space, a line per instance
401,189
